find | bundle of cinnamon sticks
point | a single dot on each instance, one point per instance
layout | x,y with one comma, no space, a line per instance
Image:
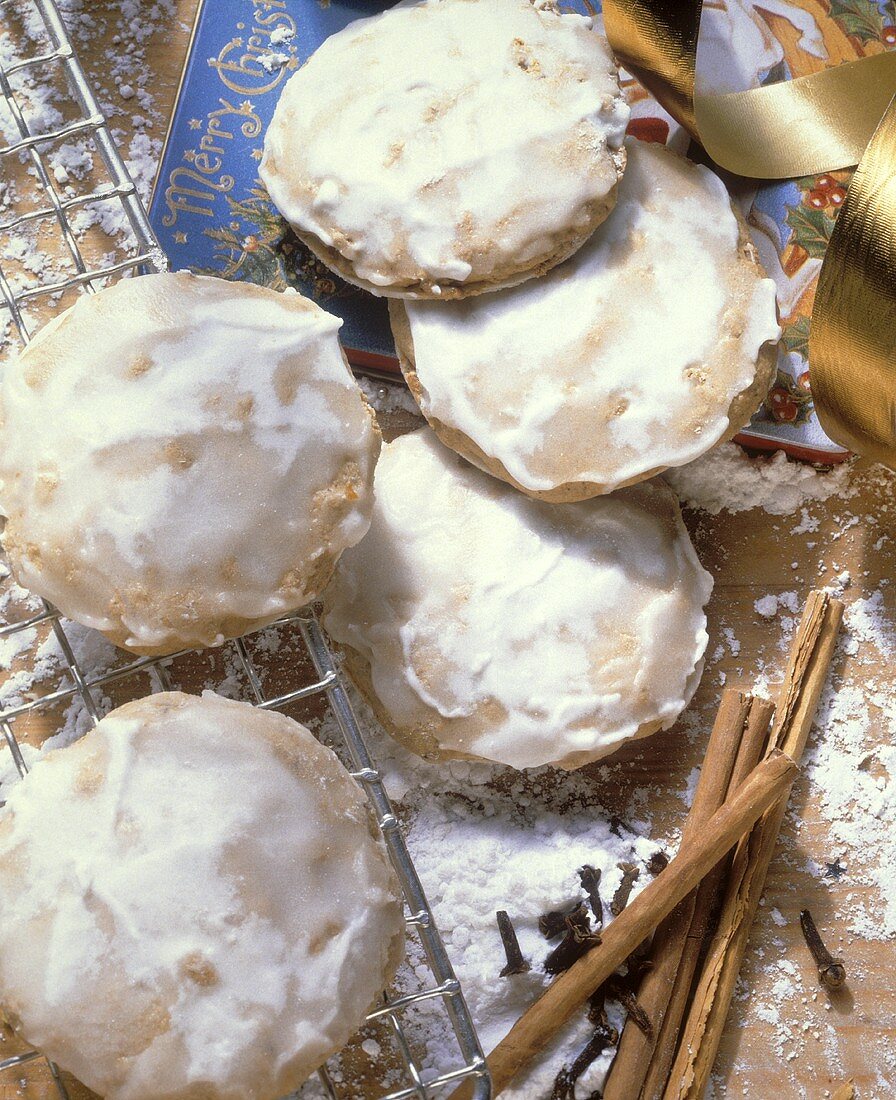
700,908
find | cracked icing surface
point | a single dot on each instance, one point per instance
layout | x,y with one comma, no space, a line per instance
183,458
194,899
507,629
411,150
658,327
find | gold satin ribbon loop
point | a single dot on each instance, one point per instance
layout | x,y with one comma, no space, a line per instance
752,133
799,127
815,124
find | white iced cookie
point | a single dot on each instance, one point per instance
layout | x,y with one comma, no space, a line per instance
194,902
481,623
654,342
444,148
182,459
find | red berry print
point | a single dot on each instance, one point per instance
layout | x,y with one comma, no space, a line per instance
649,129
783,407
818,200
888,36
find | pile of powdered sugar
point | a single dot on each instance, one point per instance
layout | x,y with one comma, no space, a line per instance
729,479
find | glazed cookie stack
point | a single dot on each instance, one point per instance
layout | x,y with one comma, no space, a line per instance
184,459
574,312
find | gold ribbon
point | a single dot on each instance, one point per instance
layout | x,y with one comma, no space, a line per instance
852,340
832,119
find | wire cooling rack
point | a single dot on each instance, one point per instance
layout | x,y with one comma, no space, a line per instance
47,212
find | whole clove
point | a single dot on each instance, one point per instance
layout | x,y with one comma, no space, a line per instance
618,989
567,952
578,937
578,924
597,1010
659,861
630,874
639,961
831,971
565,1082
560,922
516,964
552,924
589,877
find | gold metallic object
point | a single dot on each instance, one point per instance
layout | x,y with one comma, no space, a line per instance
852,345
835,111
852,341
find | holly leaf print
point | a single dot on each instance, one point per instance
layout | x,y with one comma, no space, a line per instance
860,18
796,337
811,229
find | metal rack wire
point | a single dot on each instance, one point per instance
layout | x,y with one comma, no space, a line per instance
75,682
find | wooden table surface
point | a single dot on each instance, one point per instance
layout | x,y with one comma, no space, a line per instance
816,1042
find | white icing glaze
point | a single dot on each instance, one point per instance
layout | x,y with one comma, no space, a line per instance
448,140
183,457
193,894
515,630
624,359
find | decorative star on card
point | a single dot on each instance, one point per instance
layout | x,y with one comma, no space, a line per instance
247,107
189,155
257,154
180,238
195,123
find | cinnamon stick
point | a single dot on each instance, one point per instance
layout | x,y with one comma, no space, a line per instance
537,1026
631,1064
810,658
705,911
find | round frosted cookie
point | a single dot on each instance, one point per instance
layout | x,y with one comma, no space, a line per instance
194,902
654,342
183,459
448,147
483,624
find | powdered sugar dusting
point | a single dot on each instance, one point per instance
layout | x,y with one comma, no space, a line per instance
543,831
486,838
121,39
852,768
